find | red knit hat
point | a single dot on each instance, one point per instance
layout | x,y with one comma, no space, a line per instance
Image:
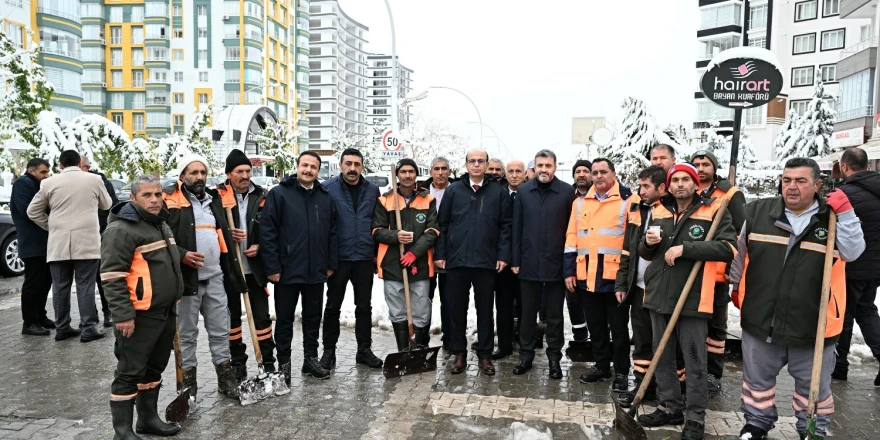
682,167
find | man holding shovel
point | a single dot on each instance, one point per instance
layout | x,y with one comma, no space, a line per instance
778,277
140,269
675,240
418,232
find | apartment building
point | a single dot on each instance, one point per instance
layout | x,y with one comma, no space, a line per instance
337,75
806,36
380,74
856,71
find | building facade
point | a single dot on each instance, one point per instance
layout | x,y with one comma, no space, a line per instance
337,75
380,73
856,71
807,37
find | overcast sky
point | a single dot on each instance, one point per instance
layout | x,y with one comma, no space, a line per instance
530,66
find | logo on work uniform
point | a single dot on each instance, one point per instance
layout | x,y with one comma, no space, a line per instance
697,232
821,233
421,218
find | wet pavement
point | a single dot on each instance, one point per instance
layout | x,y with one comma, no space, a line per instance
60,390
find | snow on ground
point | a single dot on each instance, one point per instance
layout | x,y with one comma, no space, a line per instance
521,431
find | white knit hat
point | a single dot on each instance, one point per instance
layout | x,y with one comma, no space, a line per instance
188,159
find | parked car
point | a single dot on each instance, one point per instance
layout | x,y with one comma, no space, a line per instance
117,184
265,181
123,193
10,265
381,180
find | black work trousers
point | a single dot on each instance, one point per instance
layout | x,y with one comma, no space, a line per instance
439,281
286,297
360,273
717,336
259,298
142,357
105,309
606,317
460,282
507,300
576,315
642,335
554,300
35,289
860,308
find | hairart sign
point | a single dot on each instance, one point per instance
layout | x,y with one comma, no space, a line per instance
742,77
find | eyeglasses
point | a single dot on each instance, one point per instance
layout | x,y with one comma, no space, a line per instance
476,161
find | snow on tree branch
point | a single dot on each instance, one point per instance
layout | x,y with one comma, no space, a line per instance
808,135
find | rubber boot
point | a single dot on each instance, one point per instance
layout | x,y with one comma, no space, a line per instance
418,334
225,382
401,335
239,372
122,412
189,381
148,421
285,370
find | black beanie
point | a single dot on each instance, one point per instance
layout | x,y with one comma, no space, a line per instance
581,163
236,158
407,161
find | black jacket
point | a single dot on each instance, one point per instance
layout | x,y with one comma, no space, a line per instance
182,222
256,199
298,233
102,215
629,260
475,226
355,225
863,191
32,239
540,222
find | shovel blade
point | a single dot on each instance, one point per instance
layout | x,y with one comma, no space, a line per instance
627,424
180,408
580,351
408,362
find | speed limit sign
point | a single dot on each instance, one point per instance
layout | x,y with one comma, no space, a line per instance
391,145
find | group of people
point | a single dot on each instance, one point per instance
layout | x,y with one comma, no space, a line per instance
520,238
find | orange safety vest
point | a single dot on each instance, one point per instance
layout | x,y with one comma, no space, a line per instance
721,268
597,228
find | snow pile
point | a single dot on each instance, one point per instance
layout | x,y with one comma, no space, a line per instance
757,53
746,436
594,432
521,431
462,425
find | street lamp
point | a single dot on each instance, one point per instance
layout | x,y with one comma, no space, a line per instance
229,118
394,74
496,136
416,96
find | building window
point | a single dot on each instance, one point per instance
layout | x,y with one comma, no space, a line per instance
178,98
201,10
203,32
203,54
758,42
753,116
866,32
137,14
177,54
178,11
804,44
178,33
178,77
137,78
233,53
758,17
233,75
116,14
138,101
203,98
137,35
203,76
726,15
117,119
829,72
117,101
178,120
116,57
831,7
833,39
137,57
802,76
805,10
115,35
138,121
856,95
800,107
116,77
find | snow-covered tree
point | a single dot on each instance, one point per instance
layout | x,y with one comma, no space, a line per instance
342,140
277,140
426,138
26,90
171,149
811,135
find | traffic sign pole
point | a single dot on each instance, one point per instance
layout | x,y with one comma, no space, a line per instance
734,145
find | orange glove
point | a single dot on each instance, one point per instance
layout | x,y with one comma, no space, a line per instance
735,297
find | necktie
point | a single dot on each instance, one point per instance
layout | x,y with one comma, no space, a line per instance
513,196
476,188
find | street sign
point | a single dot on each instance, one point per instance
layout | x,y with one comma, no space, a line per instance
742,77
391,145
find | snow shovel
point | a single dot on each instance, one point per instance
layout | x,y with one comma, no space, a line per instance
182,405
820,328
264,385
415,359
625,421
580,351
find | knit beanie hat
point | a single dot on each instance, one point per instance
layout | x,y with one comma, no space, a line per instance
407,161
188,159
236,158
581,163
708,155
682,167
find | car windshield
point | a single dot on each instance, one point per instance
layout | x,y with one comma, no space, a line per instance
380,181
324,173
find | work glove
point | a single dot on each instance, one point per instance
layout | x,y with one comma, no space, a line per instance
735,297
408,259
839,202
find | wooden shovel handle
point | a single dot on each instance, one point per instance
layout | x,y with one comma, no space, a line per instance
682,298
823,315
178,358
247,299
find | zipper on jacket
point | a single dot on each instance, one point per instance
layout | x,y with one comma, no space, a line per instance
317,215
481,204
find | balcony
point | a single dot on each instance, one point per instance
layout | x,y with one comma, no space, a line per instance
157,37
159,100
858,47
160,80
58,51
15,3
57,13
858,8
858,112
98,101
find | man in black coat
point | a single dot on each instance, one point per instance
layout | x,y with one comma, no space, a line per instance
540,220
32,242
862,187
86,165
300,251
474,245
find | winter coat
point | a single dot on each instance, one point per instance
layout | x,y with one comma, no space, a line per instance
104,213
182,222
298,233
140,264
629,259
354,231
256,200
475,226
32,239
663,283
539,225
73,197
419,216
863,191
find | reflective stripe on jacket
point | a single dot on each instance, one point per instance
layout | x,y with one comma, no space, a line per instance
736,208
418,217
